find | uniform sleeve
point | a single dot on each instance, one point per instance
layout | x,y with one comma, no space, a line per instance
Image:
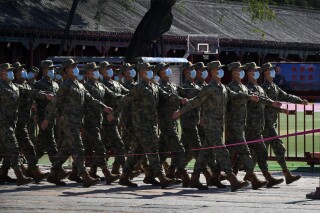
125,100
92,101
124,90
196,101
234,95
33,93
288,98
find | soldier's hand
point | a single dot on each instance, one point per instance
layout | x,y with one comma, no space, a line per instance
108,110
44,124
254,98
285,111
110,117
176,115
49,96
304,102
276,104
184,101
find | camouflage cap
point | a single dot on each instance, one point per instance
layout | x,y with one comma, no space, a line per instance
17,65
90,66
144,65
58,70
250,65
104,64
5,66
160,66
266,66
47,64
34,69
186,65
214,65
234,65
117,71
68,62
199,65
125,67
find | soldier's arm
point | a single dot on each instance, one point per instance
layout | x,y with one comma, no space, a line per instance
34,93
92,101
234,95
124,90
196,101
289,98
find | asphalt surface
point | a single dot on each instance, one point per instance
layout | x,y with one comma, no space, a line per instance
46,197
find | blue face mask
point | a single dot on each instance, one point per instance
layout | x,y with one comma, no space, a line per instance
241,74
110,73
10,75
168,72
75,71
96,75
220,73
101,77
58,77
272,73
30,75
156,78
256,75
204,74
149,74
133,73
51,74
193,74
24,74
116,78
80,77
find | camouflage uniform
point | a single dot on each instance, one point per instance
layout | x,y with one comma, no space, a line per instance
145,98
93,122
32,124
189,135
128,134
71,100
9,97
271,115
255,126
201,84
169,127
110,132
213,99
46,139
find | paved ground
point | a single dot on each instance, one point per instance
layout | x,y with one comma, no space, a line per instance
46,197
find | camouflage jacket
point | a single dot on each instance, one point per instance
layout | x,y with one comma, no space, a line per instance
71,100
12,96
171,105
126,113
191,118
46,86
145,98
98,91
255,116
275,93
214,99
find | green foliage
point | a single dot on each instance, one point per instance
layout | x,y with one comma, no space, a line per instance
258,10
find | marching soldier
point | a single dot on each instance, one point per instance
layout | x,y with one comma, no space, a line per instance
46,140
255,123
271,114
213,98
71,100
110,132
9,98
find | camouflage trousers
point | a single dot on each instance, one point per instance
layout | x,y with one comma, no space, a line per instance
147,142
112,140
93,142
10,143
190,140
276,145
46,141
25,144
259,151
71,144
221,155
128,134
234,136
169,141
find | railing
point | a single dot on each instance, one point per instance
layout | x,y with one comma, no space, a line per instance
300,118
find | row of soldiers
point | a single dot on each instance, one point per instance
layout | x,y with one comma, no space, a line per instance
88,116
